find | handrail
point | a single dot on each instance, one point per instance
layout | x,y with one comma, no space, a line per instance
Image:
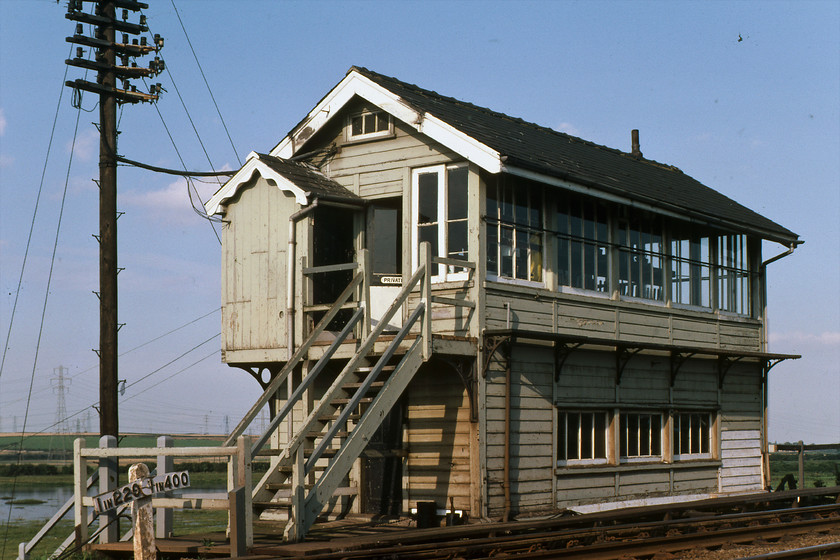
280,378
363,389
307,381
361,353
310,270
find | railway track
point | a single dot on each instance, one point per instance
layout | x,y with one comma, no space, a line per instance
622,540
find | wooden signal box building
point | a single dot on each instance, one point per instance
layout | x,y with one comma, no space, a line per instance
447,304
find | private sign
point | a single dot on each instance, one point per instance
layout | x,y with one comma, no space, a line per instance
139,489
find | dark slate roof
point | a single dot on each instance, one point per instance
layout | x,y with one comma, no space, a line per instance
308,178
535,148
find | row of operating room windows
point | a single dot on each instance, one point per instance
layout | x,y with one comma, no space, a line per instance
654,258
582,436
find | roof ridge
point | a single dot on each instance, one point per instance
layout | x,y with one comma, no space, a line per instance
362,70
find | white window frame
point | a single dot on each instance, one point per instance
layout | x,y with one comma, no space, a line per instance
441,272
657,457
561,425
676,420
368,135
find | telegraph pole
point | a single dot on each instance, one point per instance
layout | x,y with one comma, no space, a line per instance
107,48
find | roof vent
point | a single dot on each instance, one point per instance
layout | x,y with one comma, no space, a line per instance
635,151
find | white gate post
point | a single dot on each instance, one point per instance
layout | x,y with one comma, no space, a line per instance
165,464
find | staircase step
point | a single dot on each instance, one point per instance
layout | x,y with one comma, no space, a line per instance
365,400
334,416
375,385
272,505
367,369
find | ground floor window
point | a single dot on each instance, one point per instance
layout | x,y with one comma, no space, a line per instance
692,437
582,437
640,435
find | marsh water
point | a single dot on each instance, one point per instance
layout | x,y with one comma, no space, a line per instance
53,497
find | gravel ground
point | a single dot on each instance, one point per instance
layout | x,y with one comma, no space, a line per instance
744,551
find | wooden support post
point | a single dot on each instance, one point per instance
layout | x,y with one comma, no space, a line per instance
80,521
295,528
426,297
801,465
364,289
243,480
108,521
165,464
238,526
142,518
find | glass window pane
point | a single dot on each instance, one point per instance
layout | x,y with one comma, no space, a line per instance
685,434
586,436
370,123
506,252
457,193
492,249
633,435
574,436
356,126
656,434
521,262
644,434
457,239
492,203
536,256
521,203
561,437
429,233
600,435
382,121
427,198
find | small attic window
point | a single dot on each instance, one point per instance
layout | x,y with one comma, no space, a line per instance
363,126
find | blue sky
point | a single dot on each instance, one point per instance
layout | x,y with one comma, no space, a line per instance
743,96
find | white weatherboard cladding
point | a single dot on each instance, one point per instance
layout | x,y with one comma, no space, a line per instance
354,84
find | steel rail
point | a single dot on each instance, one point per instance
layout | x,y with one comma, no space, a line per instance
673,535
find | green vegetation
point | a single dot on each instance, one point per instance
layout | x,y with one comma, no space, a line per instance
185,522
822,468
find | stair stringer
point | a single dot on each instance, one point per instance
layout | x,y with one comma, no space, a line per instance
278,473
357,440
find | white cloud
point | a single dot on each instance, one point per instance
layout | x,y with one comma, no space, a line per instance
826,338
172,197
2,122
170,204
568,128
86,146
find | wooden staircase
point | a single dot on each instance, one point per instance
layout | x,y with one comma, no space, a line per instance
314,464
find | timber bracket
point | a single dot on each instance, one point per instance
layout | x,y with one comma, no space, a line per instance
466,370
724,364
493,344
677,361
562,350
623,354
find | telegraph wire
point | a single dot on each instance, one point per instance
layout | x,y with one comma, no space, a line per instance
209,90
196,347
155,339
34,215
46,301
